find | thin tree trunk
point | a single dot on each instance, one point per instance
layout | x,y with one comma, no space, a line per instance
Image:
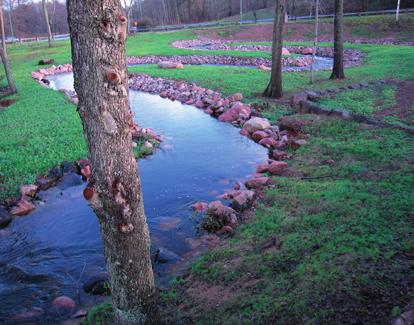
3,54
98,34
275,88
397,16
338,67
315,40
10,20
3,34
49,31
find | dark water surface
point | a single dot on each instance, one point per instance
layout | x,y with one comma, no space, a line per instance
55,249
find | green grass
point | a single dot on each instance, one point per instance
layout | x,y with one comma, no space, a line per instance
363,101
41,129
338,242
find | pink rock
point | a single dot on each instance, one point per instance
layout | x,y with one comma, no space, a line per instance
244,132
257,182
189,102
237,97
225,230
242,200
86,171
170,65
256,124
221,213
29,190
199,104
279,155
259,135
200,206
209,111
264,68
22,208
64,302
238,110
285,51
268,142
277,167
262,168
237,186
164,94
307,51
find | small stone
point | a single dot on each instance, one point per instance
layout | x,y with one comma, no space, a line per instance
256,124
237,97
22,208
257,182
164,255
29,190
64,302
277,167
262,168
200,206
259,135
268,142
279,155
225,230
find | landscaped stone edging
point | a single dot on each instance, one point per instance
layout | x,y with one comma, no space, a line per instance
352,57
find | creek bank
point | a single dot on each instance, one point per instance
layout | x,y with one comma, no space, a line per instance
352,57
306,102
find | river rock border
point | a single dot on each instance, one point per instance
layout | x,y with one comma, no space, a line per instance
303,61
352,57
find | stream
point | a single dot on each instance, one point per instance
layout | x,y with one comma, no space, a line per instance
56,248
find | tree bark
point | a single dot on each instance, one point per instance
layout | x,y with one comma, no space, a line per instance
98,34
3,54
338,66
275,87
49,31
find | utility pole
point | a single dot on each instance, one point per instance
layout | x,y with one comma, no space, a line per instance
241,12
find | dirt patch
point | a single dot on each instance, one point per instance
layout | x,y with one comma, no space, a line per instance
6,102
404,105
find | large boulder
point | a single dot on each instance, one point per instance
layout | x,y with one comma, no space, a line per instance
5,218
256,124
170,65
242,200
29,190
222,214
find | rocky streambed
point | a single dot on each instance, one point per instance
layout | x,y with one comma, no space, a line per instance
50,256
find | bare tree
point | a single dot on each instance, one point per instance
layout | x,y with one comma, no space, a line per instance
315,40
47,23
3,54
338,66
275,87
98,34
397,15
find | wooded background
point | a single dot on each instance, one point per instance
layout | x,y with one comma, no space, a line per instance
24,18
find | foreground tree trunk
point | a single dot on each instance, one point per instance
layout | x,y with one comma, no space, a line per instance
338,66
3,54
98,33
49,31
275,88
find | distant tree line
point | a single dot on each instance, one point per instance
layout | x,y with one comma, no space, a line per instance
25,18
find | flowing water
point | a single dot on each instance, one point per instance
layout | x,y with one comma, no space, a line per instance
56,248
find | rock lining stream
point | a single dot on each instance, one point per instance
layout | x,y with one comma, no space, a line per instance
56,248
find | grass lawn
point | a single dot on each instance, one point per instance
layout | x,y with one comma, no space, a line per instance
332,243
